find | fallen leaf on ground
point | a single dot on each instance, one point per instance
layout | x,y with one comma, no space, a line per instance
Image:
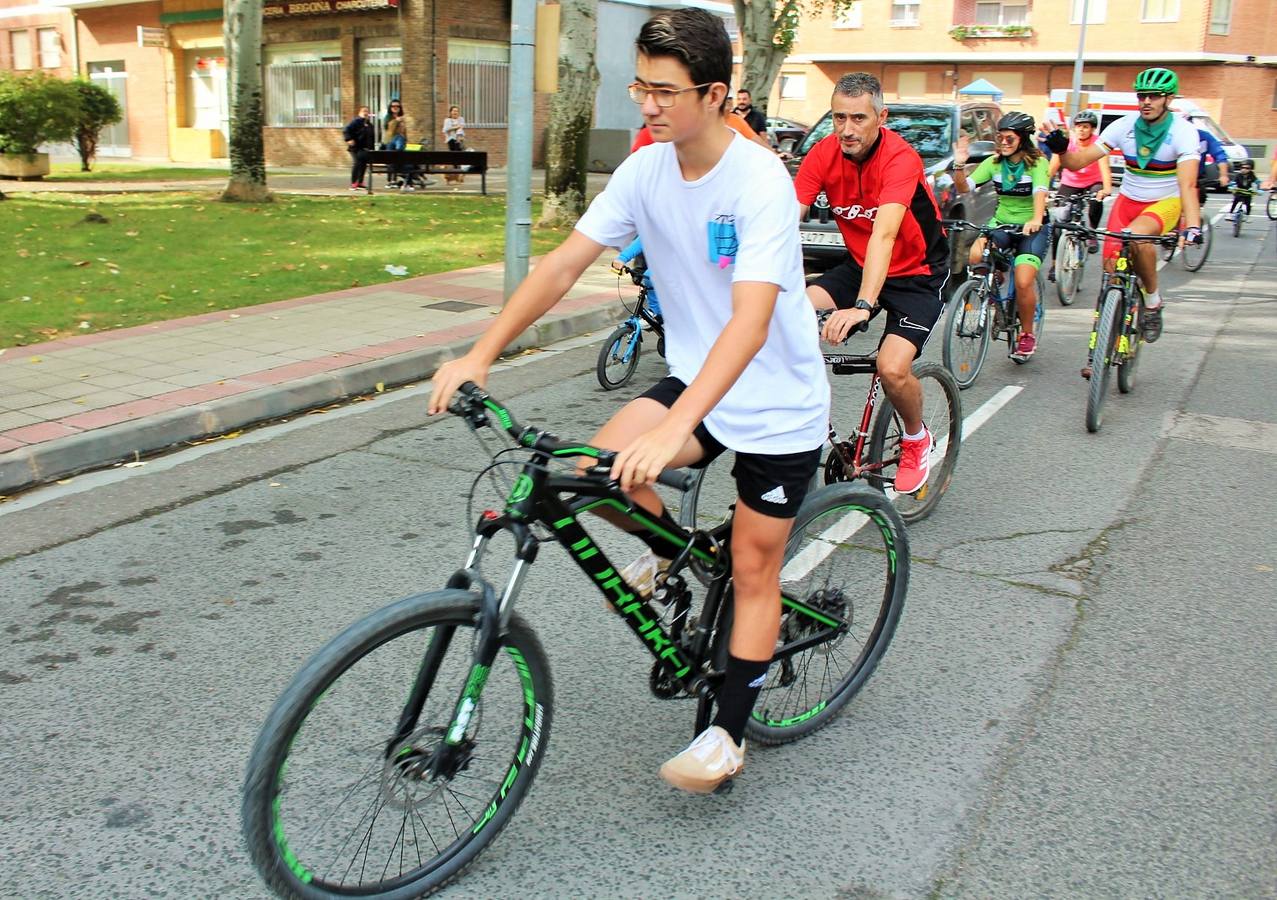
81,263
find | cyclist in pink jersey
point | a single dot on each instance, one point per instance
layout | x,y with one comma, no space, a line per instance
1088,178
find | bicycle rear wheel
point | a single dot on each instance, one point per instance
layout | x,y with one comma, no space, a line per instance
1271,206
966,338
340,798
1193,256
619,356
847,560
942,414
1106,331
1070,260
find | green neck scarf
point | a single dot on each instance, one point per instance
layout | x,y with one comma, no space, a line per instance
1148,137
1011,172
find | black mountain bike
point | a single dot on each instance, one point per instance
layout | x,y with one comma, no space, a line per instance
1115,337
619,355
984,307
404,746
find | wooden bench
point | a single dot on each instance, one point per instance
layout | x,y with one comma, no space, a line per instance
430,162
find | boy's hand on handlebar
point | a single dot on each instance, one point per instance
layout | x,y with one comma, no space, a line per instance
645,459
452,375
842,323
618,266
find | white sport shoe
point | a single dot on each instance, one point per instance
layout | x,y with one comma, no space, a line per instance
707,762
641,574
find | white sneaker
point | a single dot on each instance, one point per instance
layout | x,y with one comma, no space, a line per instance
707,762
641,574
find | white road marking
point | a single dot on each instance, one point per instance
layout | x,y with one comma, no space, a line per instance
815,553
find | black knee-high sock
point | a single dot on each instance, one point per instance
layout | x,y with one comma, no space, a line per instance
741,683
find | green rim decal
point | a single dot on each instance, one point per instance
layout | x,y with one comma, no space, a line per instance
303,874
532,720
792,720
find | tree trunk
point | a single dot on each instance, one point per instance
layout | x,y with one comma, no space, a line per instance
567,139
242,35
766,36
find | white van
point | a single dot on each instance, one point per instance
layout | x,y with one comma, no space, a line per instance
1110,105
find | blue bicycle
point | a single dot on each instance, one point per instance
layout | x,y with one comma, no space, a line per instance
619,355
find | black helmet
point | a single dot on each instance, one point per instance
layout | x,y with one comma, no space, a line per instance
1016,121
1086,117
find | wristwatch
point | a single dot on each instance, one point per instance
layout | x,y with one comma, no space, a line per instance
864,304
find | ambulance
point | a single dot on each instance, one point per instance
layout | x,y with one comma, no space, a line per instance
1110,105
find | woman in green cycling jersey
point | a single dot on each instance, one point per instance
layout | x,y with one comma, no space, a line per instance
1019,172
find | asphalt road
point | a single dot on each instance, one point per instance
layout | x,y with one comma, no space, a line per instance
1078,702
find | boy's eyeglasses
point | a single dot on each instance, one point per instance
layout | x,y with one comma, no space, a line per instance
664,97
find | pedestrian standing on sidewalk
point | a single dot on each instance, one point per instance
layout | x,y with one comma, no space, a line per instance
361,136
454,131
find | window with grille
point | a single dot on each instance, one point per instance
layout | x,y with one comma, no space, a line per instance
50,48
380,77
989,12
479,82
303,86
905,12
1160,10
1221,16
20,49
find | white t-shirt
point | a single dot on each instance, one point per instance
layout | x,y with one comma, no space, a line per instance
1154,179
739,222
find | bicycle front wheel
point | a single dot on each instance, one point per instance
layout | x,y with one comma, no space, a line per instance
1193,256
1237,223
1129,344
1070,261
1039,311
619,356
942,414
1102,357
1271,207
344,794
966,336
847,561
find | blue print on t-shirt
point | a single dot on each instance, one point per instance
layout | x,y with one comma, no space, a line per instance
722,241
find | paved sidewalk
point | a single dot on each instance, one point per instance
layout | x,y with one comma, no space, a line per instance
85,402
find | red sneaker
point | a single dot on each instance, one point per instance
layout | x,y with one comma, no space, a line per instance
1024,348
915,464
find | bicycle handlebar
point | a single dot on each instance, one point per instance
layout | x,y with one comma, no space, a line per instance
964,225
822,316
477,407
1167,239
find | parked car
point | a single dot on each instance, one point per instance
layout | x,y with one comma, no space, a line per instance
930,128
780,131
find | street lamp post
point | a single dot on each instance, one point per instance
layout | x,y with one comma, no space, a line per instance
1075,101
518,193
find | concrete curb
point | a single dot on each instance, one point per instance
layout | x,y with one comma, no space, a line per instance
102,447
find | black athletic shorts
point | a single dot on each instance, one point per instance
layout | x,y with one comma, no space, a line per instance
773,484
913,302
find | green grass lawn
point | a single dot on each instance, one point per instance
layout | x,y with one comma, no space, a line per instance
163,256
129,172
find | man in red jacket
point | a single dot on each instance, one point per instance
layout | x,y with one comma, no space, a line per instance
898,253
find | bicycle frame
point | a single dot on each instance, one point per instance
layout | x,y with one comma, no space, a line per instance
853,465
642,316
535,498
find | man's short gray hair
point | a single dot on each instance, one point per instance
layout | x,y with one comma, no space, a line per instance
857,84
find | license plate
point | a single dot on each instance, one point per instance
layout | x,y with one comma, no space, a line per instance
823,238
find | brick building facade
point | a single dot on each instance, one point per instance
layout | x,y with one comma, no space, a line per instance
34,38
321,60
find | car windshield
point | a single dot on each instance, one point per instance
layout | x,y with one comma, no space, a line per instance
1206,123
928,129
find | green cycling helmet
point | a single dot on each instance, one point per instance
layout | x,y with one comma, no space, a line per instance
1163,81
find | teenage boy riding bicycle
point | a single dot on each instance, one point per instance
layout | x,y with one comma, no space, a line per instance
719,219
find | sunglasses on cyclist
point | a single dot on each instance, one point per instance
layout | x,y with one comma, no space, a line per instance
1150,95
664,97
1007,138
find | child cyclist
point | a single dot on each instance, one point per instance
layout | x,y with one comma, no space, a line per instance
1243,187
1019,172
632,256
718,217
